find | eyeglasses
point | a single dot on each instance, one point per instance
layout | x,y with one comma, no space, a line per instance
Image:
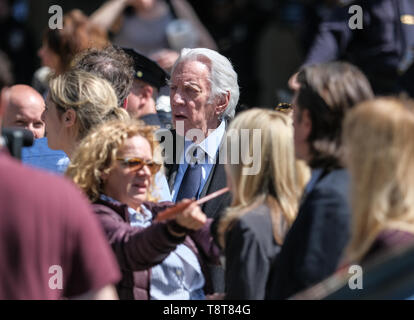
284,107
135,164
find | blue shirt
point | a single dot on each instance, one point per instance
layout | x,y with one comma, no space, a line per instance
210,146
177,277
41,156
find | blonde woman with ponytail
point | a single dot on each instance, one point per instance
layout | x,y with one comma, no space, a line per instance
264,204
77,102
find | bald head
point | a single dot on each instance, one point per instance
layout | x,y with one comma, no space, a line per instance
24,109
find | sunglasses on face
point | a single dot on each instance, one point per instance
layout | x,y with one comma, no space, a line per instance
135,164
284,107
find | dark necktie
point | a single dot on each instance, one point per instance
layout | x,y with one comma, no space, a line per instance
191,181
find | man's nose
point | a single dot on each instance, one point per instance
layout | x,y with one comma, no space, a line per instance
32,130
178,98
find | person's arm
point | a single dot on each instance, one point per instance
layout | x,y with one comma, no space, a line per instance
139,248
247,267
332,38
330,42
106,293
184,11
106,15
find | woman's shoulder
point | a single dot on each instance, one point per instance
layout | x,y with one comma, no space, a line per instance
257,214
256,222
255,229
391,238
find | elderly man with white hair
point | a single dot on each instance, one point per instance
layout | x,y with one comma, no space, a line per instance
203,96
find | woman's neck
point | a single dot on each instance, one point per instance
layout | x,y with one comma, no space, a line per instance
69,149
159,9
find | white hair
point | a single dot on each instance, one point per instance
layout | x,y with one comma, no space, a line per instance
223,78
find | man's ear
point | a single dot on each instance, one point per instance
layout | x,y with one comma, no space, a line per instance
147,91
69,118
125,103
222,103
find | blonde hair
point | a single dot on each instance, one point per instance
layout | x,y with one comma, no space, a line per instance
275,183
97,153
92,98
380,158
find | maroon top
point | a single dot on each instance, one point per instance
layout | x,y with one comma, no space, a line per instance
45,221
387,241
139,249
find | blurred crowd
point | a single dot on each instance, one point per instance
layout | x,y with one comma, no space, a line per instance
191,150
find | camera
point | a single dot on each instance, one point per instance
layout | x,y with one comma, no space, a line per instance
17,138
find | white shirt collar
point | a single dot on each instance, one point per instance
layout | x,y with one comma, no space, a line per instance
209,145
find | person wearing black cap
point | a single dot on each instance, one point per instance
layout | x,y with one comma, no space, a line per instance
149,77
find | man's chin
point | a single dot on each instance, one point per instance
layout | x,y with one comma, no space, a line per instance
181,126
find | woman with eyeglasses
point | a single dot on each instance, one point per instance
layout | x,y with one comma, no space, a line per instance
114,166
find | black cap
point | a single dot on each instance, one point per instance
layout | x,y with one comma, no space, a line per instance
147,70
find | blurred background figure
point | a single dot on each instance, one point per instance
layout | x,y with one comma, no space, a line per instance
383,48
154,19
115,167
17,41
264,204
59,46
261,39
7,78
380,160
24,110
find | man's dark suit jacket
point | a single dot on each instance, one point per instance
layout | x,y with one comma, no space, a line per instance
215,181
213,208
314,245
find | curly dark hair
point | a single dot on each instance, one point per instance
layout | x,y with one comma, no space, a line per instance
112,64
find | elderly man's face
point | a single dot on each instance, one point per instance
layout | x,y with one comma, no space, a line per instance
190,91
